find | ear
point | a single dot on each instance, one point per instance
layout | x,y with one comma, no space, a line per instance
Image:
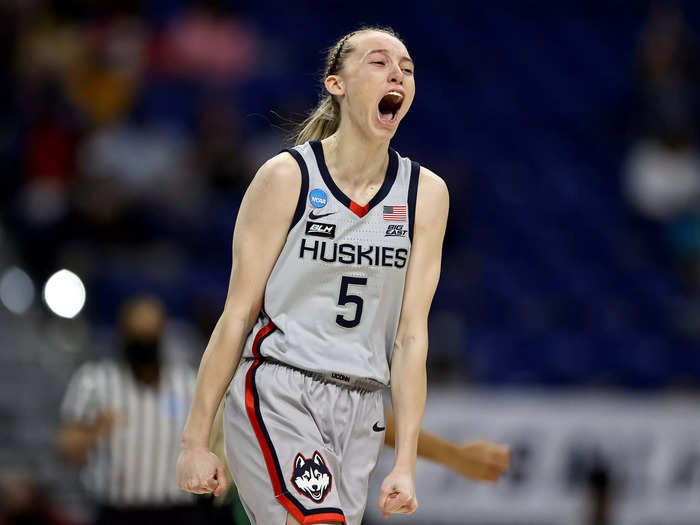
318,459
299,461
334,85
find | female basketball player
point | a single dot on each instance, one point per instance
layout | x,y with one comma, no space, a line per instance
336,257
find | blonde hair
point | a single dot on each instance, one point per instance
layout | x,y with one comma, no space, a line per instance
324,120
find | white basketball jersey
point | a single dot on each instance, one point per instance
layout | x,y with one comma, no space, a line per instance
333,299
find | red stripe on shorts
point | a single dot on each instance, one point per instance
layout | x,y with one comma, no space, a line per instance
267,453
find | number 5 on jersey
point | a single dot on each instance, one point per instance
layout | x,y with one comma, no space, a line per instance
345,298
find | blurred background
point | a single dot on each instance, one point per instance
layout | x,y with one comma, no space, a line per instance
567,319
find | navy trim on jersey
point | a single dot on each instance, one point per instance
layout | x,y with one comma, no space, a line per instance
412,196
391,170
301,203
259,360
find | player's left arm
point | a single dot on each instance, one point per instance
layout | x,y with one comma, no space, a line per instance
408,374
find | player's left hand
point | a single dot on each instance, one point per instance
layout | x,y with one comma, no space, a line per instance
397,494
480,460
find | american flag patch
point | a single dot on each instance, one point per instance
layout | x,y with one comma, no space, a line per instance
394,213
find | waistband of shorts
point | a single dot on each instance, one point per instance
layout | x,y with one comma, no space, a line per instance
362,384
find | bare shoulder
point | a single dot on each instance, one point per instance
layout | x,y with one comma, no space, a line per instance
432,192
280,173
274,189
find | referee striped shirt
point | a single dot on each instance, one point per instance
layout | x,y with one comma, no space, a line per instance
135,463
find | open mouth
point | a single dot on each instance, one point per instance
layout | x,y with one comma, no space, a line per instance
316,494
389,106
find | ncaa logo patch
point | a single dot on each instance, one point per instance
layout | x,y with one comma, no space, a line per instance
311,477
318,198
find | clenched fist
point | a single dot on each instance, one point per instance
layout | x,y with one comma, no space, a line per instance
397,495
200,471
480,460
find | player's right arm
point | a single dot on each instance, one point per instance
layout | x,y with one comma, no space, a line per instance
261,229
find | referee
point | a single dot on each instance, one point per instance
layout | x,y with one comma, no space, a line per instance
121,420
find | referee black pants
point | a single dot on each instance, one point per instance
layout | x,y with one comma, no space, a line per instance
190,514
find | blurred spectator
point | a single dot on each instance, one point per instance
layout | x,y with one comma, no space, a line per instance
122,420
144,159
104,86
208,44
662,177
662,170
668,72
50,142
23,502
49,47
49,162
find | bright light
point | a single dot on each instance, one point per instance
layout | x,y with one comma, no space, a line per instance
16,290
64,293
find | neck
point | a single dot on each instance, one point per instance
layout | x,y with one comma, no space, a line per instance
355,159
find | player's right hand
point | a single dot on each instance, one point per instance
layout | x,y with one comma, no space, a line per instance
397,494
200,471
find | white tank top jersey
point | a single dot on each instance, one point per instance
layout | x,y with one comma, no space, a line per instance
333,299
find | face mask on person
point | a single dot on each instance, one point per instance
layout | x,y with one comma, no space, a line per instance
142,351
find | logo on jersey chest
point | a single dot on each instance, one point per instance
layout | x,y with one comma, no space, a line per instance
318,198
396,230
315,216
320,229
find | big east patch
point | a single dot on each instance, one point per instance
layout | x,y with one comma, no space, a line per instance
311,477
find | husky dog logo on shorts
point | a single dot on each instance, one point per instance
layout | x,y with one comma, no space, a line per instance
311,477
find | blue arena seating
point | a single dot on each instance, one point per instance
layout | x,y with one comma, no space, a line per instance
554,279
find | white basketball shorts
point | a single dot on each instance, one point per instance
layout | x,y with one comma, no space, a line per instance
301,446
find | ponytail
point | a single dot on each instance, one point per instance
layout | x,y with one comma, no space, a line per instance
321,123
